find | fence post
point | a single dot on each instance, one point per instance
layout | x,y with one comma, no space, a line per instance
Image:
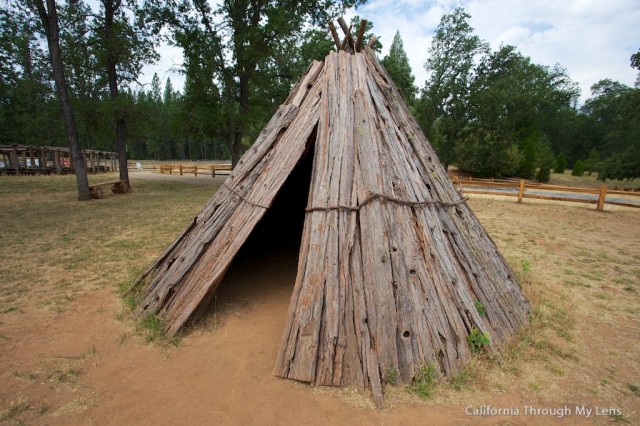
180,170
170,169
521,191
601,197
195,171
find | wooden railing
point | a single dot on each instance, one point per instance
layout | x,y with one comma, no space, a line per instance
181,169
519,189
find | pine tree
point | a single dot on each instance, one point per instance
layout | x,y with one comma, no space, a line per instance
561,163
397,65
578,168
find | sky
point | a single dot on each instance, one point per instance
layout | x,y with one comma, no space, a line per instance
591,39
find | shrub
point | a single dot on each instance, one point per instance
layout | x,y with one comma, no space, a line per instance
480,308
424,381
477,340
544,174
578,168
561,163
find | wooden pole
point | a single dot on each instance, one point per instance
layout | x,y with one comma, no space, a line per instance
43,159
521,191
601,197
334,34
360,35
15,160
195,171
24,159
56,161
347,32
32,158
345,42
180,169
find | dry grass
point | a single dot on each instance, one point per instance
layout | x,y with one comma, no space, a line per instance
55,248
591,181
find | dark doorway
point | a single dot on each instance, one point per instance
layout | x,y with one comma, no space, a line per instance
265,267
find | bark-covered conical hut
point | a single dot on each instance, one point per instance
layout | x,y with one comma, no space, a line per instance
392,263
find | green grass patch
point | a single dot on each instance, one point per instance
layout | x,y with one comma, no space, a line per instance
83,246
480,308
424,382
478,340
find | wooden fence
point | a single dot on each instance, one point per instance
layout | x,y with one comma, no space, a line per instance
181,169
522,189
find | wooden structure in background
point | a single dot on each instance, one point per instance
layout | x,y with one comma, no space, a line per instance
31,160
392,263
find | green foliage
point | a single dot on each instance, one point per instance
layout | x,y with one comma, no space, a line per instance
635,63
634,388
249,50
445,97
477,340
424,381
613,117
544,174
392,376
592,163
493,114
487,154
561,163
152,327
397,65
526,265
578,168
527,166
480,308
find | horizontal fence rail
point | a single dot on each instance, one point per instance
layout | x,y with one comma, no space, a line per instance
522,189
180,169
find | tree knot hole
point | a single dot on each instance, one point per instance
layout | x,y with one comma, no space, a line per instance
406,334
412,271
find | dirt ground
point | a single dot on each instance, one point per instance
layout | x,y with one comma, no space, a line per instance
580,268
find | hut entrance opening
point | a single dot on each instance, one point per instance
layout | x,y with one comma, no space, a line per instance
267,262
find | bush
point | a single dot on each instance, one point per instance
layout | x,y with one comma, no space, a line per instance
561,163
478,340
592,163
578,168
544,174
424,381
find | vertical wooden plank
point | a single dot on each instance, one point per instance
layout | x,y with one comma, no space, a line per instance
520,190
378,276
601,197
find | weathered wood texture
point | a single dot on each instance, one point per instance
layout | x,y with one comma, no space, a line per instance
392,261
387,286
189,272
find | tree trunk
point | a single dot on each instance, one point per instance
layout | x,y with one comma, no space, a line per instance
110,7
238,125
49,19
